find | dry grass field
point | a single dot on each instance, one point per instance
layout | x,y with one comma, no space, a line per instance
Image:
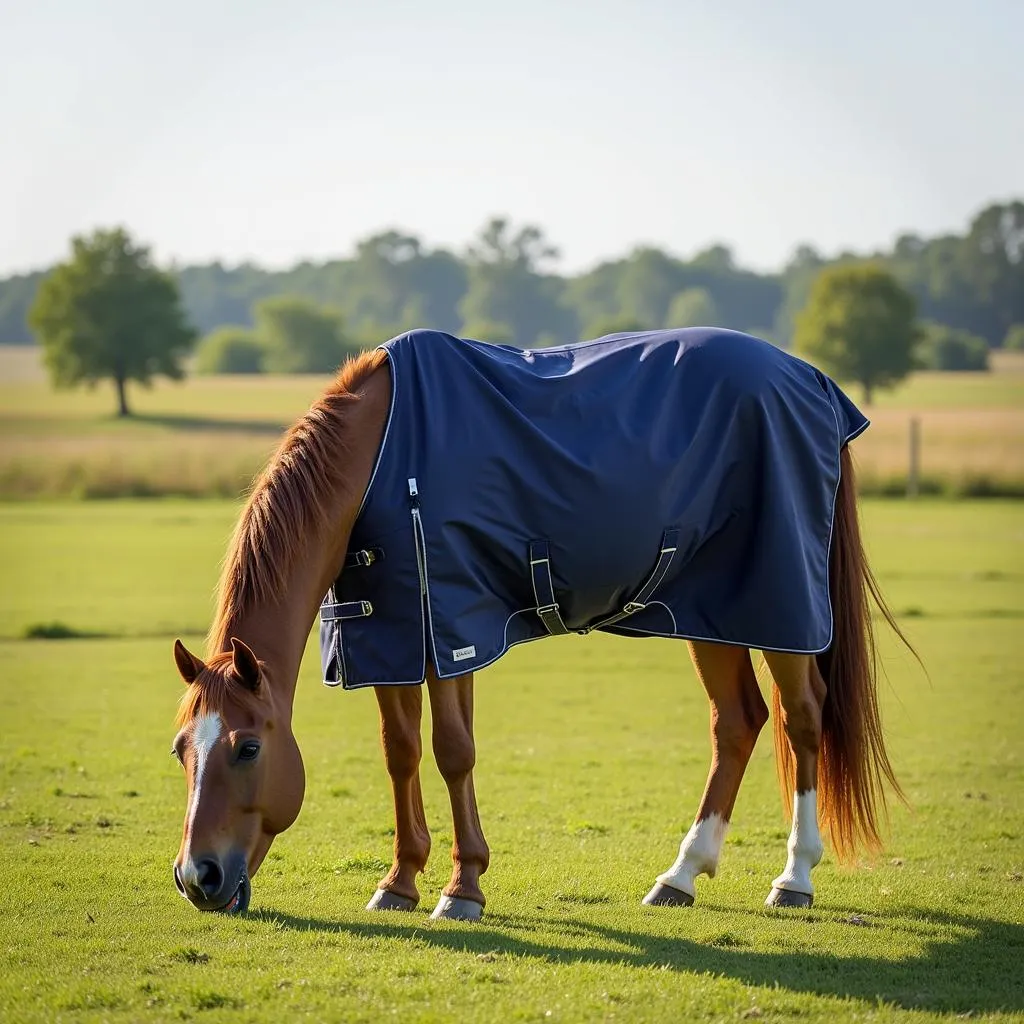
208,435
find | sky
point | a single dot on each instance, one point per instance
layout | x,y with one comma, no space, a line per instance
269,131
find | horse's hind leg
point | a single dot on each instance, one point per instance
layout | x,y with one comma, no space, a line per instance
451,708
802,694
738,713
400,712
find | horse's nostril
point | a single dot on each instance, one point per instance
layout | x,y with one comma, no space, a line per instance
178,882
210,876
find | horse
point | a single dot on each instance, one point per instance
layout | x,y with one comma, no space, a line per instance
696,484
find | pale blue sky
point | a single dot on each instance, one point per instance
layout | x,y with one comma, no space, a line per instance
276,131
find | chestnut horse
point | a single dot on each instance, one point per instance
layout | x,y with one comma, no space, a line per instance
243,768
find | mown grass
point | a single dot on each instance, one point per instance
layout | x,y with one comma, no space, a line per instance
592,755
209,436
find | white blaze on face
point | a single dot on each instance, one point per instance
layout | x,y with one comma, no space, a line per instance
206,731
805,847
698,854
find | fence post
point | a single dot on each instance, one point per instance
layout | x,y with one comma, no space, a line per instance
914,469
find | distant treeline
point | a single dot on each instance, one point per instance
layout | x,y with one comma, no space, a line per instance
504,287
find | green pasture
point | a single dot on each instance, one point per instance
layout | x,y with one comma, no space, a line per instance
592,757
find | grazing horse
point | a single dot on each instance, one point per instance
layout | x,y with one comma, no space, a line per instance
453,499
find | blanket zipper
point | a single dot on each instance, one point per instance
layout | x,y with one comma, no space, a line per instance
417,528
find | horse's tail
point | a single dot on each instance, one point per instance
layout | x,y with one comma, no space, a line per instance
853,765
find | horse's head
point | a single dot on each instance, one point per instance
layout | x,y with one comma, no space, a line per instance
243,771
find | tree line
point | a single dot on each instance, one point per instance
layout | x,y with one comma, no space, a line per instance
108,312
505,287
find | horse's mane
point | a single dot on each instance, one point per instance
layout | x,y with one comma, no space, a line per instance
295,495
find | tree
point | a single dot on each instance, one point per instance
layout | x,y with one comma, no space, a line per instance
231,349
109,313
692,307
947,348
994,257
858,325
1014,340
716,257
646,284
394,281
299,336
506,285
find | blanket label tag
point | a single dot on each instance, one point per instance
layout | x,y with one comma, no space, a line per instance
462,653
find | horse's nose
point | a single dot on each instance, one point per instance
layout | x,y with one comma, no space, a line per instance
201,881
211,877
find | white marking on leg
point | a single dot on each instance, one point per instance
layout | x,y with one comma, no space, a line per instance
698,854
205,733
804,846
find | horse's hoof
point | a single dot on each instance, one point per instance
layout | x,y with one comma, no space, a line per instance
787,898
384,900
454,908
663,895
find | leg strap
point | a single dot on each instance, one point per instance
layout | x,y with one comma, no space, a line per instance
669,544
544,589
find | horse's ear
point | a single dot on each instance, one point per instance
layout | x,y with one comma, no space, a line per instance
245,664
188,664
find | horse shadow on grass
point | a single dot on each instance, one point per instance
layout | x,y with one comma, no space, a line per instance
976,971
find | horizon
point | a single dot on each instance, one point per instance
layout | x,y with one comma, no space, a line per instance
272,135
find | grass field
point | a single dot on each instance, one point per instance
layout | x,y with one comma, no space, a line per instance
208,436
592,756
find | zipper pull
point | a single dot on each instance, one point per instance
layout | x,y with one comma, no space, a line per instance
414,493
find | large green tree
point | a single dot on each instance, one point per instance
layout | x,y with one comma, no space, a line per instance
859,325
109,314
299,336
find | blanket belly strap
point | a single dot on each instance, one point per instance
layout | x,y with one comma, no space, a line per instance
669,545
364,557
346,610
544,589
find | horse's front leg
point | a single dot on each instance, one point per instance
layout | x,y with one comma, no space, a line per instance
738,713
451,708
400,712
802,694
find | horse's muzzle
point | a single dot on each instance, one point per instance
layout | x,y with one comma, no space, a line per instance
214,885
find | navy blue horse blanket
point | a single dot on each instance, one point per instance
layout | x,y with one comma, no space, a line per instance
670,483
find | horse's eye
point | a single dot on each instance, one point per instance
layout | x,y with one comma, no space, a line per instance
248,751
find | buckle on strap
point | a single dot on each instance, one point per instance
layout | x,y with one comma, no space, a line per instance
346,610
364,557
669,544
544,588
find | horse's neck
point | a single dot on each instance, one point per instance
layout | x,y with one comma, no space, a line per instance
277,630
